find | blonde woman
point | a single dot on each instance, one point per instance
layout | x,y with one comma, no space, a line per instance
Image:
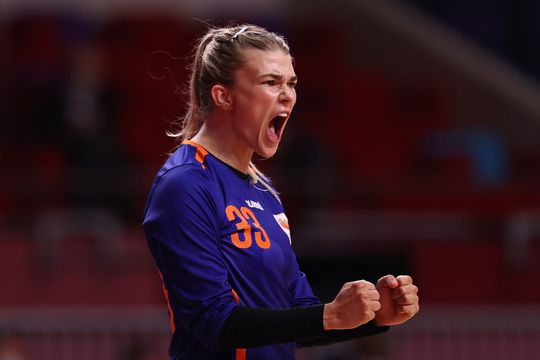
219,233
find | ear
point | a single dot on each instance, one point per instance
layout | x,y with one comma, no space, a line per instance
221,96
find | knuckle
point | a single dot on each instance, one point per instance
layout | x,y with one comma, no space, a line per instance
404,279
364,302
368,314
402,300
366,284
402,290
401,309
364,294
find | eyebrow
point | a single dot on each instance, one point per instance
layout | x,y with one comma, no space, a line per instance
278,77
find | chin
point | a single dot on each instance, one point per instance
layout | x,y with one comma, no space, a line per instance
267,152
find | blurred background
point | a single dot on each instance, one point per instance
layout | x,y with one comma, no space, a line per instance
414,148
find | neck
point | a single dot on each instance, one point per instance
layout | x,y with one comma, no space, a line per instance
218,139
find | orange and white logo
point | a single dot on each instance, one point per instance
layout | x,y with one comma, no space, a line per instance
283,222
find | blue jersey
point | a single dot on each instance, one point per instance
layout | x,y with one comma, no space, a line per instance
219,241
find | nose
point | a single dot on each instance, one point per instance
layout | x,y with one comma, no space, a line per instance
287,94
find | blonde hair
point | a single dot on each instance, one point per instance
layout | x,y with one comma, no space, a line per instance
257,176
217,56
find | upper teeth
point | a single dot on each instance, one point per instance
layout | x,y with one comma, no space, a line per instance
283,114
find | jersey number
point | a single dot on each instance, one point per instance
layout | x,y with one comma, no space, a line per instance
249,226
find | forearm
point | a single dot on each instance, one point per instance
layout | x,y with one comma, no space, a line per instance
335,336
253,327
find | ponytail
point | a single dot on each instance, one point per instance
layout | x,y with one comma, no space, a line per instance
192,120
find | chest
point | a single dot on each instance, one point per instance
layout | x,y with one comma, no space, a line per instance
255,237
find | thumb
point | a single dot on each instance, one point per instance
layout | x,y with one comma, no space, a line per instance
387,281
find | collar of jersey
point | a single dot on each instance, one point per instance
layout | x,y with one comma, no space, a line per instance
242,175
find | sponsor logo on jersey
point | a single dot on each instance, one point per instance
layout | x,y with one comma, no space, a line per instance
254,204
283,223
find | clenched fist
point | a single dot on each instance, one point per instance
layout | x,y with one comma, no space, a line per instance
354,305
399,300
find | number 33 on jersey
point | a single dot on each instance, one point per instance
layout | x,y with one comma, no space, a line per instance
250,228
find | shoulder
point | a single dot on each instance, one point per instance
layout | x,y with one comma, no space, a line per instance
186,155
183,176
178,193
183,180
183,169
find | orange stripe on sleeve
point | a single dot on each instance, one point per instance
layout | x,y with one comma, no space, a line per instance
201,152
240,354
169,308
236,298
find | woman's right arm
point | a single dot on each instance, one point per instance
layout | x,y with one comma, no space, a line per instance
347,317
181,226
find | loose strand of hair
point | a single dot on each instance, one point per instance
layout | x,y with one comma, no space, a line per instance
258,177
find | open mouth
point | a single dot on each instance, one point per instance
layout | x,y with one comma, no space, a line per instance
276,126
